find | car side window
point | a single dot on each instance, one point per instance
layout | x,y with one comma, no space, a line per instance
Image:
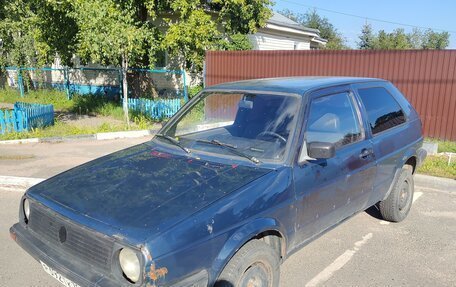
383,111
333,119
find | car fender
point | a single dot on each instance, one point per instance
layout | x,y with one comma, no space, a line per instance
409,152
240,237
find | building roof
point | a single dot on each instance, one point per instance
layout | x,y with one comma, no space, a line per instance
296,85
281,20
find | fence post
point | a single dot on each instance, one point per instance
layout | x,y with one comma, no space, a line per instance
20,120
67,82
120,83
2,123
185,86
20,82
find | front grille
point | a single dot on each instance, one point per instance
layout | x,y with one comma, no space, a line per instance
93,248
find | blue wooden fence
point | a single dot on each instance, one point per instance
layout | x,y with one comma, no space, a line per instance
12,121
73,84
26,116
37,115
156,109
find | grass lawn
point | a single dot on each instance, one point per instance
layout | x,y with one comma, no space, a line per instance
445,146
89,104
54,97
79,105
437,165
60,129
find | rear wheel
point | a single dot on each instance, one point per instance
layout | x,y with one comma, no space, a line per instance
256,264
397,205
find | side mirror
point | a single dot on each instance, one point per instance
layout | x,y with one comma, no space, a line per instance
321,150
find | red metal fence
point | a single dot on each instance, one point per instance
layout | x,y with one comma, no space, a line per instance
426,77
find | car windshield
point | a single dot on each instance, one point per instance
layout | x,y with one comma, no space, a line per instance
255,126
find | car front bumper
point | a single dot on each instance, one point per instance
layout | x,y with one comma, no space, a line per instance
79,273
76,271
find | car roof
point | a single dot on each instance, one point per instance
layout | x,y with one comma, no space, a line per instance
296,85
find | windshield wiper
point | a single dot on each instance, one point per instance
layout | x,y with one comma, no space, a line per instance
173,141
231,148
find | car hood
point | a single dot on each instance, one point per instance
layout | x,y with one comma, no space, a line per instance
143,187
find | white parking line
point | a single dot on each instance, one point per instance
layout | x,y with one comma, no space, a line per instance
417,195
17,184
337,264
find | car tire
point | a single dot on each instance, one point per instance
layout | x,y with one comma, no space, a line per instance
255,264
396,206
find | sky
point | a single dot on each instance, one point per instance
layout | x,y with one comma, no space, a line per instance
437,14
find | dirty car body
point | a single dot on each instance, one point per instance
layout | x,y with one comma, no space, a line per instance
282,160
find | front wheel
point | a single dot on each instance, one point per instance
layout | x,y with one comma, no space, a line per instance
397,205
256,264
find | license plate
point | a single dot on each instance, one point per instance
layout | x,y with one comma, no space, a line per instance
62,279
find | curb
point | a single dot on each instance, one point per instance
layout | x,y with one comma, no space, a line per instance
24,141
67,139
97,137
433,182
129,134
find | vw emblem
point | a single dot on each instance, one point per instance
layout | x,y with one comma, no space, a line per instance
62,234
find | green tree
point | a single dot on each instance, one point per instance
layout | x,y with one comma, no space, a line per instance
435,40
125,32
115,33
18,31
312,19
367,38
193,29
400,40
415,38
397,40
56,30
237,42
188,38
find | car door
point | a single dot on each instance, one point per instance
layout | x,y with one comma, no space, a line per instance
385,121
330,190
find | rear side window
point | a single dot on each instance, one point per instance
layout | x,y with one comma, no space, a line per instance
382,109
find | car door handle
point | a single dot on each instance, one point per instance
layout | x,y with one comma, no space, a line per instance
365,153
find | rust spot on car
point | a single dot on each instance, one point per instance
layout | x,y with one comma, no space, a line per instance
160,154
157,273
13,235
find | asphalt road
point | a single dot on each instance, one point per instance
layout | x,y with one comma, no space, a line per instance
43,160
364,251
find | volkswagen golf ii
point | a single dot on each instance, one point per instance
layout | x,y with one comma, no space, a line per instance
245,174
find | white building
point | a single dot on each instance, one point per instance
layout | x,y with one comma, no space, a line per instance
282,33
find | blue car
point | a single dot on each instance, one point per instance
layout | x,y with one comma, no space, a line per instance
244,175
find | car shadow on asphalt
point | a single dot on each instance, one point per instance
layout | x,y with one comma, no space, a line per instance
374,212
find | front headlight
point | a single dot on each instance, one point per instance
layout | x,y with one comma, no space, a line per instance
130,264
26,207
